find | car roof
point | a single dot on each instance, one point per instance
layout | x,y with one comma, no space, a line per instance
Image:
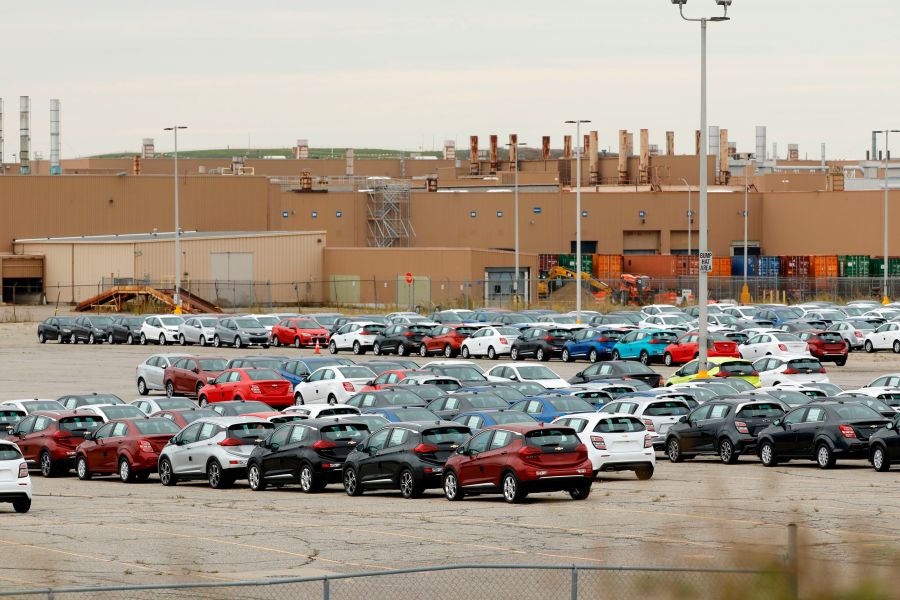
229,420
522,427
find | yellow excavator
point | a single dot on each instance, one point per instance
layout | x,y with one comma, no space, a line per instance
599,288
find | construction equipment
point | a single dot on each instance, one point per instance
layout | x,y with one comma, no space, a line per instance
633,289
600,288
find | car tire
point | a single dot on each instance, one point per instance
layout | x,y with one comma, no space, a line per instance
125,472
332,399
644,357
448,351
142,387
541,355
870,347
376,349
162,339
594,356
667,359
351,483
23,505
255,478
202,341
644,473
616,355
130,339
110,340
491,353
170,389
166,474
880,460
841,362
673,450
238,344
727,453
465,352
509,486
514,354
298,400
332,348
824,456
237,398
566,357
265,346
452,490
402,350
423,351
276,341
42,338
216,476
81,468
182,340
581,491
48,469
767,454
309,483
409,487
358,349
91,339
203,401
296,342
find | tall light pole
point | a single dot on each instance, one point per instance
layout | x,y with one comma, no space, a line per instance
703,297
516,217
745,291
177,296
690,215
578,143
887,132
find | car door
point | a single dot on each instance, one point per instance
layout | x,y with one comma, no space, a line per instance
369,468
785,435
200,451
179,449
392,458
807,431
109,453
215,391
690,436
20,434
274,464
93,449
709,428
492,462
471,469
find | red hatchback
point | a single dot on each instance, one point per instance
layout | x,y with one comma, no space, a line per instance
687,348
128,447
264,385
49,439
446,339
518,459
391,378
299,332
187,375
827,346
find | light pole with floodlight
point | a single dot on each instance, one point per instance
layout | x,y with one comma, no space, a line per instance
516,217
887,132
578,143
177,296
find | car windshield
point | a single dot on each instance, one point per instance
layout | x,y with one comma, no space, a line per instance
512,416
619,425
427,392
854,411
571,404
562,320
875,404
212,364
307,324
487,401
445,436
156,427
538,373
415,414
786,337
357,372
267,363
344,432
66,320
673,319
262,374
401,398
249,432
9,452
550,438
727,320
190,416
247,323
174,403
131,321
36,405
81,423
529,388
463,373
246,408
267,321
171,321
372,421
891,399
326,320
211,322
99,399
101,321
520,318
666,409
737,368
790,397
124,411
509,394
760,411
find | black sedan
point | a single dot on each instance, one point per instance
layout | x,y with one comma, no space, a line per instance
884,446
725,427
405,456
451,405
385,398
540,342
125,330
618,369
404,339
821,432
91,329
56,328
310,453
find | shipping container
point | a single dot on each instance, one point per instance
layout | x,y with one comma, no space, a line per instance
853,265
769,266
824,266
721,266
876,267
657,266
737,266
607,267
567,261
795,266
547,261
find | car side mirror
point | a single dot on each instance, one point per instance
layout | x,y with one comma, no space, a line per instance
683,419
579,374
196,370
372,382
890,425
89,435
513,377
272,446
371,450
210,380
361,449
777,422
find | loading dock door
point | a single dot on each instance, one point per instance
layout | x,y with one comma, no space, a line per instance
232,273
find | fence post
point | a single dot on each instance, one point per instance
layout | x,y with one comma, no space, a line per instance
326,589
574,590
792,561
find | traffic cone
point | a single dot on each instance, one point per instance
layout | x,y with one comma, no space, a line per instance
318,351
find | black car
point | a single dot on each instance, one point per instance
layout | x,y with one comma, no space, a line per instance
426,392
879,406
451,405
405,456
310,453
506,391
274,362
91,329
884,446
404,339
56,328
465,374
384,398
821,432
725,427
236,408
540,342
618,369
125,330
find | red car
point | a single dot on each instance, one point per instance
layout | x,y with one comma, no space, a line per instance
264,385
185,416
49,439
127,447
187,375
390,378
299,332
686,348
446,340
517,459
827,346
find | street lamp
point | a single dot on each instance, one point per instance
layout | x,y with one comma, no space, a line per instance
704,291
690,215
177,296
887,133
516,218
745,291
578,142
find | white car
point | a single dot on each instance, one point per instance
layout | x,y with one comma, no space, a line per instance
111,412
267,321
212,448
15,483
774,343
73,401
664,321
886,337
161,329
148,406
799,368
658,414
358,336
615,442
890,380
567,322
659,309
333,385
489,341
149,374
882,313
850,330
888,395
197,330
315,411
33,405
539,374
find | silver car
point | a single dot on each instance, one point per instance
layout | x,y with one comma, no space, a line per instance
149,374
240,332
198,330
212,448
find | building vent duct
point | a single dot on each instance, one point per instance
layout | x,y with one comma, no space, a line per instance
302,150
494,155
148,150
54,137
449,149
474,167
24,135
760,144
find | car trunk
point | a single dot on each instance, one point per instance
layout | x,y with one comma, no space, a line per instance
274,388
9,470
725,347
864,429
831,343
158,442
555,448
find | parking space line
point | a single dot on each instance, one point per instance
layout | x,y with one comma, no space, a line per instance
78,555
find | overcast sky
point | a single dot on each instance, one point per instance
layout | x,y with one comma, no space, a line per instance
403,73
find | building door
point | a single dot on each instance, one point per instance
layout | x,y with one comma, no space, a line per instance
232,275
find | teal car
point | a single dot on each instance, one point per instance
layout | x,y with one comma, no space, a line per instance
645,345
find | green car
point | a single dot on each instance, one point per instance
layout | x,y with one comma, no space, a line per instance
717,367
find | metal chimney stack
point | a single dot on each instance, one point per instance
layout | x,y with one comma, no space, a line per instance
545,147
474,166
567,147
593,158
55,168
670,143
494,156
644,173
760,144
514,150
623,156
823,154
24,136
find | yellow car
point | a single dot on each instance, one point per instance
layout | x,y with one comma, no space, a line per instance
717,367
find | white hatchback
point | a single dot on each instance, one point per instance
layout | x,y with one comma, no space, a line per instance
162,330
886,337
333,385
489,341
534,373
15,483
615,442
798,368
358,336
773,343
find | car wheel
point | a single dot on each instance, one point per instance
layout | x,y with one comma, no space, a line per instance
512,492
448,351
673,450
110,340
170,389
727,453
204,402
125,473
276,341
130,339
409,488
296,342
166,476
541,355
615,355
142,387
182,340
308,481
331,399
593,356
880,460
644,473
198,388
332,347
351,483
376,349
265,346
41,338
202,341
216,476
841,362
238,343
451,487
869,346
644,357
514,353
491,353
237,398
255,478
81,468
767,454
566,357
423,351
465,352
824,456
667,359
91,339
896,346
402,350
217,341
162,339
358,349
581,491
22,505
46,462
298,400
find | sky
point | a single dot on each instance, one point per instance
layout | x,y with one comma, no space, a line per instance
408,74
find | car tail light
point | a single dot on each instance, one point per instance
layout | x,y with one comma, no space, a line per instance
603,339
61,434
858,334
348,387
658,341
791,371
529,452
599,442
822,370
549,338
425,449
648,441
255,389
324,445
723,374
847,431
648,423
409,334
144,446
23,471
369,332
782,347
231,442
503,340
741,427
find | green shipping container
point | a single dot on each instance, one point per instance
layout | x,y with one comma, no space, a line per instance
567,261
876,267
854,265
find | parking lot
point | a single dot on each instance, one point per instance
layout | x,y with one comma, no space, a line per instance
698,513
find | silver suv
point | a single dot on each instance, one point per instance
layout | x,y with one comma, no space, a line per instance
240,332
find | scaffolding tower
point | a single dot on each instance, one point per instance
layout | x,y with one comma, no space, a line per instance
387,213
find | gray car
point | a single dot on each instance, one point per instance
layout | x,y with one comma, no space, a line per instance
240,332
198,330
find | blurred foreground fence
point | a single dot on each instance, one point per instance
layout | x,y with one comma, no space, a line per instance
463,582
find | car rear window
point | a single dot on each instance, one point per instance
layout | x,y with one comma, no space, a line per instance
331,412
737,368
487,401
513,416
357,372
560,333
789,397
244,408
35,405
212,364
666,409
550,438
760,411
190,416
345,432
104,399
81,423
507,393
9,452
634,368
571,404
415,414
156,427
445,435
11,414
890,399
619,425
664,336
373,422
805,363
420,328
174,403
249,431
122,412
856,411
401,398
262,374
831,337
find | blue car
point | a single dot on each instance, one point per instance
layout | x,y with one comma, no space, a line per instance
546,408
404,414
645,345
594,344
478,420
295,370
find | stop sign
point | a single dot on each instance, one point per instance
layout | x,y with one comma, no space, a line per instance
409,278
